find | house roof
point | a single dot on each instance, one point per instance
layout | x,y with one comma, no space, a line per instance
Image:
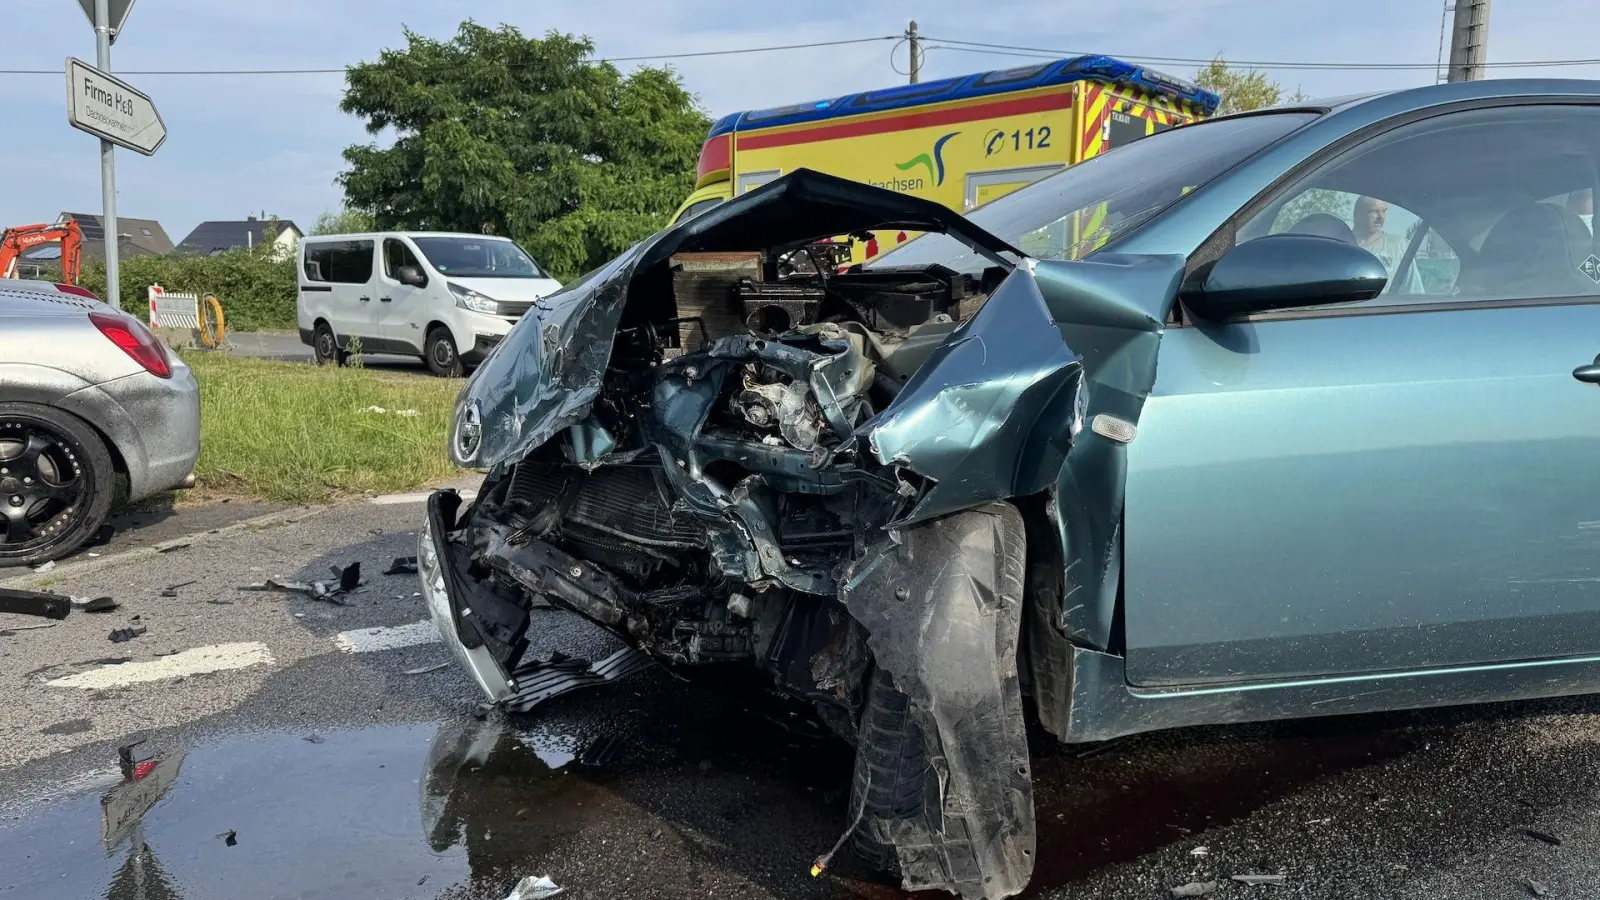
210,238
137,236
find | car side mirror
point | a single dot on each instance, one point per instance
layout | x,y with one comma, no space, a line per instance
411,275
1284,271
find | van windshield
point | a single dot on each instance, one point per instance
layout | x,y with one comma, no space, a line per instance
474,257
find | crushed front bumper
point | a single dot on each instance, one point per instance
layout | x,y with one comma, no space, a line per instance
440,590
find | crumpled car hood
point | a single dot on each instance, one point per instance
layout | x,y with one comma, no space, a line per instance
545,375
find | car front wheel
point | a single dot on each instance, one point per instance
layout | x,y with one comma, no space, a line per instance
56,483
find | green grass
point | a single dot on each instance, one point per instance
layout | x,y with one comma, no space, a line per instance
296,433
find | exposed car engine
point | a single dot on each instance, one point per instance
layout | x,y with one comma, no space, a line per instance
730,488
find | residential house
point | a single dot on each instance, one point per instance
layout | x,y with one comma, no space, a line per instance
212,238
135,237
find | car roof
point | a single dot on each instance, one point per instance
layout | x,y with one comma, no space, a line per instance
373,235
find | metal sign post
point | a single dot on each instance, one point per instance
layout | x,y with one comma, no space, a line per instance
116,113
108,161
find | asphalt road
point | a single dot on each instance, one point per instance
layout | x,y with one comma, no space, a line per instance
287,346
343,765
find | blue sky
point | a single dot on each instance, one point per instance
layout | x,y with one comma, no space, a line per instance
243,144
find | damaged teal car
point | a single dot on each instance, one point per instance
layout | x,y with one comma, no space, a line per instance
1274,415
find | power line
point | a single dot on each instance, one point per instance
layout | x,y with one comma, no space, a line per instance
1048,53
341,70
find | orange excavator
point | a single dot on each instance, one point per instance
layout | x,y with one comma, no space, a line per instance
16,241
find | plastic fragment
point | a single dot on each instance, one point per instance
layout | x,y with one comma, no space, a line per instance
426,669
314,739
402,565
349,576
45,566
93,604
1537,888
122,635
534,888
1194,889
1545,836
1261,879
230,837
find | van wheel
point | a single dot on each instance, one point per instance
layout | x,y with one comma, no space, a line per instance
326,348
440,353
56,483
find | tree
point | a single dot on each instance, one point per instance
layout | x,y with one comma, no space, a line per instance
1242,89
530,138
343,221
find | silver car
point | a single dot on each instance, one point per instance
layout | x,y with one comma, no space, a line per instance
88,399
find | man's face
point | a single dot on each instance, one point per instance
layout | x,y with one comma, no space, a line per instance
1371,214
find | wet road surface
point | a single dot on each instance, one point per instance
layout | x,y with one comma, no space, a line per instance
344,772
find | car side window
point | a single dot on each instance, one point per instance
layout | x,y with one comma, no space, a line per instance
1482,205
395,255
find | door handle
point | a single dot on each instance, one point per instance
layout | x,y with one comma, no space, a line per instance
1589,374
386,299
366,299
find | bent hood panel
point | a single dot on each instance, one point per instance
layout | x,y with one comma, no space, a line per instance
545,375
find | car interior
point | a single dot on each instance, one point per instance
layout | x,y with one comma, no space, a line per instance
1491,193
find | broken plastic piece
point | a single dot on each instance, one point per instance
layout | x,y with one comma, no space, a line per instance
32,603
1537,888
426,669
402,565
1261,879
1194,889
94,604
539,681
230,837
122,635
172,591
1545,836
349,576
45,566
313,739
599,751
532,888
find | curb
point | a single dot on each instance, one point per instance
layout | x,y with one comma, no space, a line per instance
88,566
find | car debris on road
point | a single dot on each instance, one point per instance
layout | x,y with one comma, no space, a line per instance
34,603
1195,889
1260,879
402,565
123,635
535,888
94,604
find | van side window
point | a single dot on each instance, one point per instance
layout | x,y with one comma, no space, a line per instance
395,255
342,262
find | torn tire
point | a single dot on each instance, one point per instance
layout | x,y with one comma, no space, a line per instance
942,780
891,772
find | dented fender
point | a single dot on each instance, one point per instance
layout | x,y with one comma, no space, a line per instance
992,412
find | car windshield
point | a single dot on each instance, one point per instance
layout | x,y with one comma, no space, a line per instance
471,257
1071,214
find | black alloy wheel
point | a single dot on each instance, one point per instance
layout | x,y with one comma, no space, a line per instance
55,483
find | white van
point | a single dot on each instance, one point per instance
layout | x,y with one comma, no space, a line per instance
448,298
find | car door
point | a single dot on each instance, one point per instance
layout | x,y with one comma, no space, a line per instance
342,272
400,306
1403,484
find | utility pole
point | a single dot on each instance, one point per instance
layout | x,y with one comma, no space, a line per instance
108,161
916,51
1469,40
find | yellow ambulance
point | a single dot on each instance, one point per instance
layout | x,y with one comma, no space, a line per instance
959,141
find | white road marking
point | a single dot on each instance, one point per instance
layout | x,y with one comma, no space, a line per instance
413,497
194,661
366,640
